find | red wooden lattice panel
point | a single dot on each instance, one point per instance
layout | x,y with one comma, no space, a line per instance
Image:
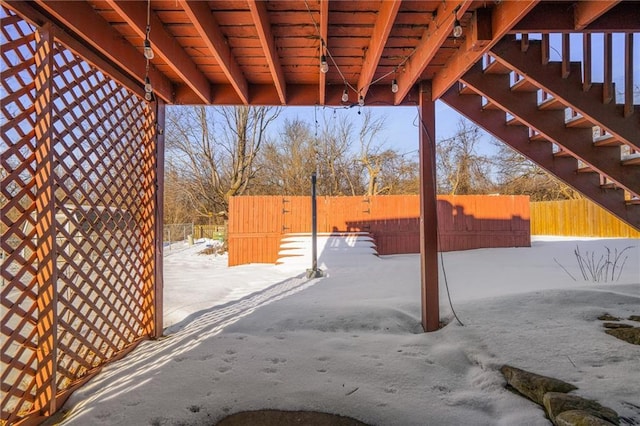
78,183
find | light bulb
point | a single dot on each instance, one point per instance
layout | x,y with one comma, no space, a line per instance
148,51
345,96
148,96
148,88
324,66
361,100
394,86
457,29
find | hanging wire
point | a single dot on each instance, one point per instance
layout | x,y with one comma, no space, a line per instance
325,49
148,54
431,142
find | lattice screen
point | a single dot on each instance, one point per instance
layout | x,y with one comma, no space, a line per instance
78,181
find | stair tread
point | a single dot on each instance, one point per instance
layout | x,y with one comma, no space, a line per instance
466,90
491,105
538,137
586,169
631,160
515,121
607,140
579,121
551,104
497,67
524,85
609,185
562,154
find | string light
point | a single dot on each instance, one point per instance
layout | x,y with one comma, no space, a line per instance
148,88
457,28
148,54
324,66
148,51
345,95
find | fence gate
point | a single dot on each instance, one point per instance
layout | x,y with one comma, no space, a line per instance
78,207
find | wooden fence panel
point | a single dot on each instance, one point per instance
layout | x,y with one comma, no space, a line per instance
256,224
579,218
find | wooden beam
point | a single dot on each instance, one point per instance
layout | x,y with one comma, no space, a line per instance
199,13
260,17
628,76
607,88
586,62
46,253
544,56
164,45
428,212
588,11
558,17
93,30
382,28
76,46
566,55
439,30
503,17
324,34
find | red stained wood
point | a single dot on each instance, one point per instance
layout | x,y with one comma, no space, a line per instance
257,223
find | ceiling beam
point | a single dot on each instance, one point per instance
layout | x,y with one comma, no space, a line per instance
439,29
382,28
260,17
588,11
503,17
87,25
550,17
324,34
26,10
199,13
164,45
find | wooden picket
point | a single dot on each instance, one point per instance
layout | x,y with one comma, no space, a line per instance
578,218
257,223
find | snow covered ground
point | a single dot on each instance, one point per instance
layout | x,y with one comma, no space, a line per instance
263,336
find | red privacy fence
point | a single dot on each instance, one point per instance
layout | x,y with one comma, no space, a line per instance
257,223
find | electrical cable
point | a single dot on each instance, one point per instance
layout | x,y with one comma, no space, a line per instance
431,141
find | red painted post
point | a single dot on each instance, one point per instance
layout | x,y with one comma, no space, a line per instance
428,212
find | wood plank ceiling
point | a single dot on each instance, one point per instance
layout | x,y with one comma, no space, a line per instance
268,52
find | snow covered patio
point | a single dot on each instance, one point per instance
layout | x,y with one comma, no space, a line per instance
262,336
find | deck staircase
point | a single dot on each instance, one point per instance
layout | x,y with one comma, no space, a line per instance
569,126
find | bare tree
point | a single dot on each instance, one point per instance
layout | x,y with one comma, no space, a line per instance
216,164
519,176
332,148
285,166
371,155
461,169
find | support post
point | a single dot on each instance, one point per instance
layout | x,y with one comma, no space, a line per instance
428,212
158,290
46,276
314,272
